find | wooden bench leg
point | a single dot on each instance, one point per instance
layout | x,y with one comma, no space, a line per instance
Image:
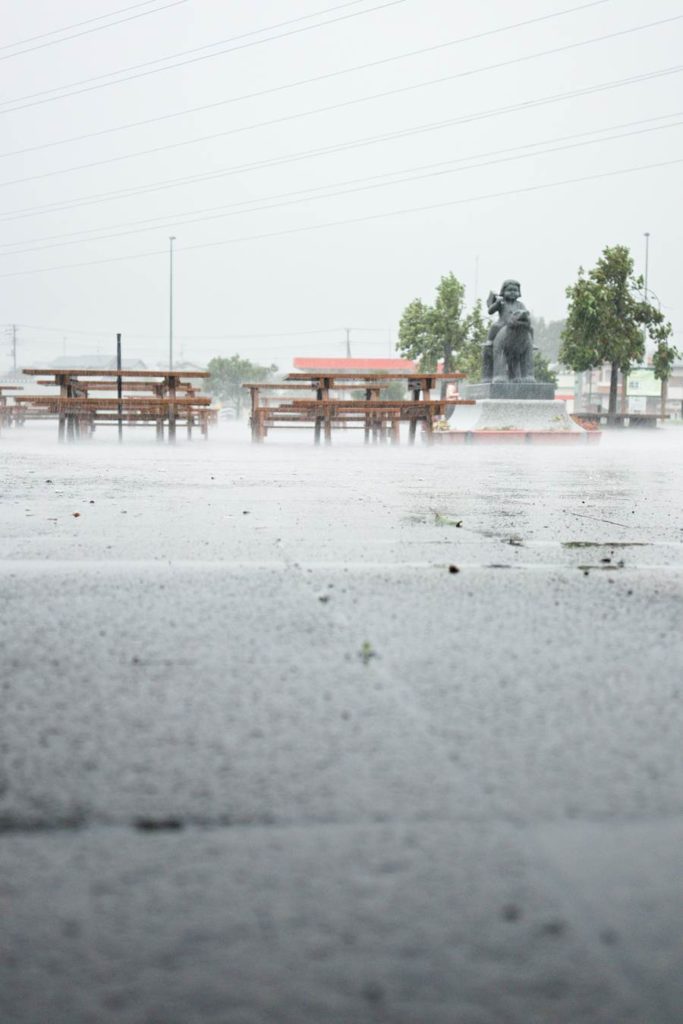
395,430
260,425
428,429
412,430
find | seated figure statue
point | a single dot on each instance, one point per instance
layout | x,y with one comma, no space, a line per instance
509,352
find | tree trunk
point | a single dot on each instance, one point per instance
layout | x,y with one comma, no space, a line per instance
624,392
664,395
612,408
578,392
447,364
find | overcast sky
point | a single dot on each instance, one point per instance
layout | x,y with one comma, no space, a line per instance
323,162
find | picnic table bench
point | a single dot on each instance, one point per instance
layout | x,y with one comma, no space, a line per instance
173,399
378,416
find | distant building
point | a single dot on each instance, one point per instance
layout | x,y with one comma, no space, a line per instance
589,391
331,364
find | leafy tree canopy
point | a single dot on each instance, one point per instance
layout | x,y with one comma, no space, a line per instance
608,317
228,375
444,331
663,359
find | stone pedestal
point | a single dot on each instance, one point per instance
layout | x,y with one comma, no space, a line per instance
520,421
533,391
524,415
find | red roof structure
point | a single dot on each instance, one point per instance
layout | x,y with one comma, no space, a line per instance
365,365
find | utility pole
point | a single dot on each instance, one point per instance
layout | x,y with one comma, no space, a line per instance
171,240
13,329
119,387
348,342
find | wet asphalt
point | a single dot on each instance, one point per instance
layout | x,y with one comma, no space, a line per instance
348,734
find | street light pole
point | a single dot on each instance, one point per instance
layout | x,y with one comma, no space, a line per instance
170,306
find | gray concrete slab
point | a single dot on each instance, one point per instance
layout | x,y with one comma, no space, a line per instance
265,756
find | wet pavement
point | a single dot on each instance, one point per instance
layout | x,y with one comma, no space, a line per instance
351,734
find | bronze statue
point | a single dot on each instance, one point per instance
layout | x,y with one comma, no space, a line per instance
509,352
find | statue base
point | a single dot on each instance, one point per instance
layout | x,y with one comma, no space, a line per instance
525,415
534,391
520,421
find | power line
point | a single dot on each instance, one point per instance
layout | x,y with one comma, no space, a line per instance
504,155
79,24
350,221
336,106
305,81
100,28
197,49
175,3
340,147
37,101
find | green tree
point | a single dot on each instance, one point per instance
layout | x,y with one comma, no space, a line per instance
228,375
444,331
663,360
608,320
542,371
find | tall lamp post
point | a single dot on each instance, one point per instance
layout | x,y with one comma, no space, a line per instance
171,240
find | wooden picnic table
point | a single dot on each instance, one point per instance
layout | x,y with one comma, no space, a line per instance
376,413
648,420
76,383
420,380
419,384
155,387
258,429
